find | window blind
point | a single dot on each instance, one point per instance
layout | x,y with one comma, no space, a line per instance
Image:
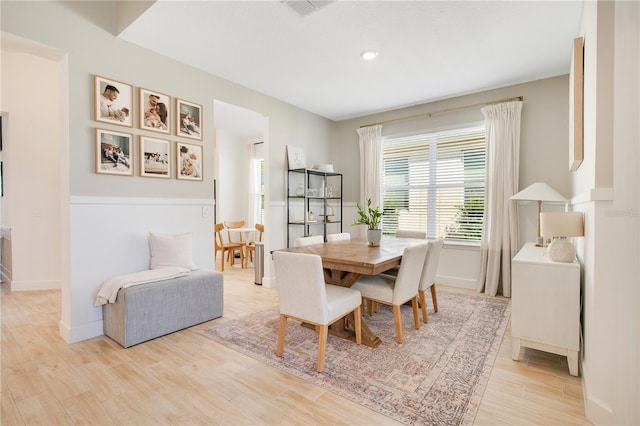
435,182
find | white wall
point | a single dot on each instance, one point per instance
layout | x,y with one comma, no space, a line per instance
605,188
31,166
232,176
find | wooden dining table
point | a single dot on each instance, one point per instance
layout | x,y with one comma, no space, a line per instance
345,261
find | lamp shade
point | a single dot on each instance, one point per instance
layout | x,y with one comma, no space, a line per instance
562,224
539,191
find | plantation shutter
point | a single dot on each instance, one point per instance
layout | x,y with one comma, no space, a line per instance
435,183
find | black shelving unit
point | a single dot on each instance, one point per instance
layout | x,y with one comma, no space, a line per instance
314,203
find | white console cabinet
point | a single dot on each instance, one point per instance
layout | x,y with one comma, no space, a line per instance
545,305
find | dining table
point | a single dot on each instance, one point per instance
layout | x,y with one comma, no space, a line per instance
245,235
343,262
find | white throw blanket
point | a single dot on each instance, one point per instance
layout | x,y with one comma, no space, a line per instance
109,289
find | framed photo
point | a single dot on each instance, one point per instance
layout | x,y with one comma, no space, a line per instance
113,102
188,161
155,111
296,158
114,153
576,94
188,119
155,157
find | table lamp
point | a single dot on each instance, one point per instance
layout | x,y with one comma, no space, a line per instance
559,226
539,192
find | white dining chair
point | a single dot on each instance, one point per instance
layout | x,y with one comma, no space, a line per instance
305,297
339,237
428,277
305,241
396,291
405,233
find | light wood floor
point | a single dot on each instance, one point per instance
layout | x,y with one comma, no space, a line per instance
185,378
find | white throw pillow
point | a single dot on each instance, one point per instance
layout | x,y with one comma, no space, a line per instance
171,250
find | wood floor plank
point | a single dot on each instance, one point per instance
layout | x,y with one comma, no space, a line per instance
186,378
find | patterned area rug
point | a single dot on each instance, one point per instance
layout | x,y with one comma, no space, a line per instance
436,377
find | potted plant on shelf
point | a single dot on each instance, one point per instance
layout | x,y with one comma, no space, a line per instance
371,217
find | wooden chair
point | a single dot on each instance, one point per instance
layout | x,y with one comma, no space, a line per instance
305,241
396,291
251,246
338,237
305,297
404,233
220,245
428,278
233,225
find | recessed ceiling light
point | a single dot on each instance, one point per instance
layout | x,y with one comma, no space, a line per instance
368,54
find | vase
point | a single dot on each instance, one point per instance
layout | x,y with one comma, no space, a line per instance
374,236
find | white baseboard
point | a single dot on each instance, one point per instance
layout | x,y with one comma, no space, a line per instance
456,282
80,333
35,285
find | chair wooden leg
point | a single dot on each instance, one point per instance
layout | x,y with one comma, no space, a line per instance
370,306
322,345
423,305
397,319
282,332
358,325
434,297
416,316
222,261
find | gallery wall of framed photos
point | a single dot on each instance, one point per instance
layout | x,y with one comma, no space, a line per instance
157,157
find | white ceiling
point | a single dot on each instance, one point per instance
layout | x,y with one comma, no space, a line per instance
429,50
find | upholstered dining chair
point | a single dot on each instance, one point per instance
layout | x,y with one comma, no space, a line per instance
225,247
251,245
404,233
428,277
305,297
338,237
396,291
305,241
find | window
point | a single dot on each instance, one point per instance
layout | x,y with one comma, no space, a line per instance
435,182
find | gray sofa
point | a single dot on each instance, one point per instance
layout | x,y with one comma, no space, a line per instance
147,311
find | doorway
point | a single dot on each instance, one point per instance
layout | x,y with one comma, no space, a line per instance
240,159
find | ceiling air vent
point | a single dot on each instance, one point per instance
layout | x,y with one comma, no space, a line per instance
306,7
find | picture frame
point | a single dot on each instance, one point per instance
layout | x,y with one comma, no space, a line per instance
188,119
113,102
155,111
189,162
155,157
114,153
576,99
296,158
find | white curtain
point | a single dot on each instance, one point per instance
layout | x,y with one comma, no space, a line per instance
499,236
253,189
370,164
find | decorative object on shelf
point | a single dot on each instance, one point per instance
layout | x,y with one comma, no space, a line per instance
323,168
300,190
113,101
371,217
296,158
561,226
188,119
539,192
